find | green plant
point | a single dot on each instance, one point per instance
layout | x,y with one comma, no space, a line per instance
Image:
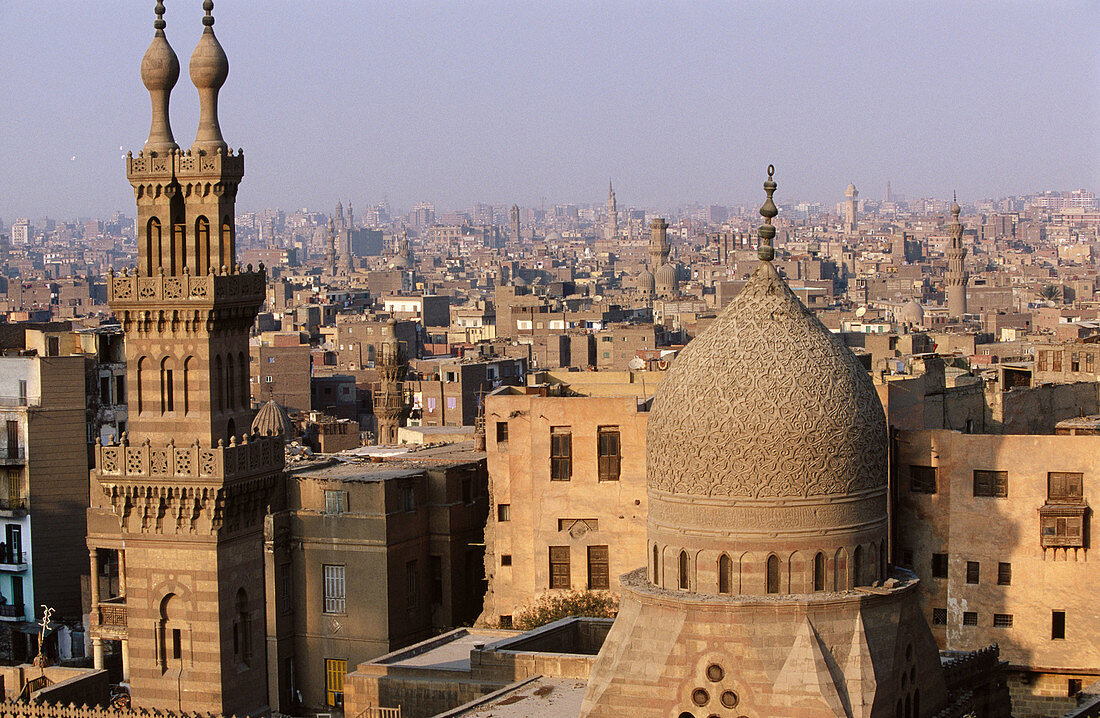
555,606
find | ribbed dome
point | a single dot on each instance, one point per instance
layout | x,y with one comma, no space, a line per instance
272,420
766,402
647,284
666,277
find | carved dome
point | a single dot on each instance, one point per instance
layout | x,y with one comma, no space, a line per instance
666,278
272,420
766,402
647,284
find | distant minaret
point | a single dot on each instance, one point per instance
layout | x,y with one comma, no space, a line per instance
612,230
331,248
340,215
515,222
850,217
889,197
351,216
659,248
957,277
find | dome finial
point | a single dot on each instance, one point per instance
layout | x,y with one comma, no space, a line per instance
766,252
159,23
208,6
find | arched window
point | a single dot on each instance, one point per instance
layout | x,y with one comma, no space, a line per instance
230,386
773,574
167,386
188,367
819,572
231,428
685,584
152,246
243,383
656,566
219,379
179,249
725,574
142,370
202,245
170,630
226,250
242,630
857,567
840,570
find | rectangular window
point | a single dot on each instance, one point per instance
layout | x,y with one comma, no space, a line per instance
412,586
939,616
1057,625
1004,574
506,621
561,453
970,618
336,502
506,559
559,567
1090,363
335,670
1043,362
922,479
333,588
973,571
1056,361
408,499
502,432
467,491
598,573
177,644
504,512
1074,362
452,402
1065,487
991,483
609,453
939,565
22,392
1002,620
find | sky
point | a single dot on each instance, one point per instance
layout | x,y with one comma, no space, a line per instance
538,103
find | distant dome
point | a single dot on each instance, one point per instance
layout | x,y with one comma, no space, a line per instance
272,420
647,284
911,313
666,278
518,280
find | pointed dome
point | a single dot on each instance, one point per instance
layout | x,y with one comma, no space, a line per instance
272,420
160,69
666,278
808,420
647,283
209,71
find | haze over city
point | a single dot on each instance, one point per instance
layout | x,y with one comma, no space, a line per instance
461,102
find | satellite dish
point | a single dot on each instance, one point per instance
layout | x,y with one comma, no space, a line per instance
861,311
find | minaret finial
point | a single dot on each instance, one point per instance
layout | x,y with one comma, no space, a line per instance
766,252
160,68
159,23
208,6
209,69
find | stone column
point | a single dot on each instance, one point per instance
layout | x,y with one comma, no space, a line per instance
93,584
121,572
97,653
125,661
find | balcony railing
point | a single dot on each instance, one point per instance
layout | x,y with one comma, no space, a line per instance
13,504
13,454
113,614
12,558
20,400
8,610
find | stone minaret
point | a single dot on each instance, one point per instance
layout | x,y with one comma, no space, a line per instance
659,248
851,209
956,277
514,216
331,255
389,401
187,487
612,230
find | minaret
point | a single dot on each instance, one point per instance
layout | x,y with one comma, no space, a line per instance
612,230
850,208
659,248
389,399
340,215
351,216
331,248
187,485
514,216
956,277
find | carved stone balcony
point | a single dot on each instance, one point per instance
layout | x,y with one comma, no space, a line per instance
130,291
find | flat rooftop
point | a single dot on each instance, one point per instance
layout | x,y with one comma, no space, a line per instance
539,697
379,463
451,651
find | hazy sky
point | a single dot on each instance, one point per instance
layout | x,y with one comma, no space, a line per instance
457,102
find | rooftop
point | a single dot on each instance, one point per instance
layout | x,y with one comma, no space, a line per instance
377,463
539,696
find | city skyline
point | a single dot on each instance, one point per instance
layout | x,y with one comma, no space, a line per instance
439,103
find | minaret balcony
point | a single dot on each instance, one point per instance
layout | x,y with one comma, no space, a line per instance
131,291
183,163
145,463
108,619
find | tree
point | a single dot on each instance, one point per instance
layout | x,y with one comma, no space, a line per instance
1050,292
555,606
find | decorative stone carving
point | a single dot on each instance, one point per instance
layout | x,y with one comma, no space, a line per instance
766,403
